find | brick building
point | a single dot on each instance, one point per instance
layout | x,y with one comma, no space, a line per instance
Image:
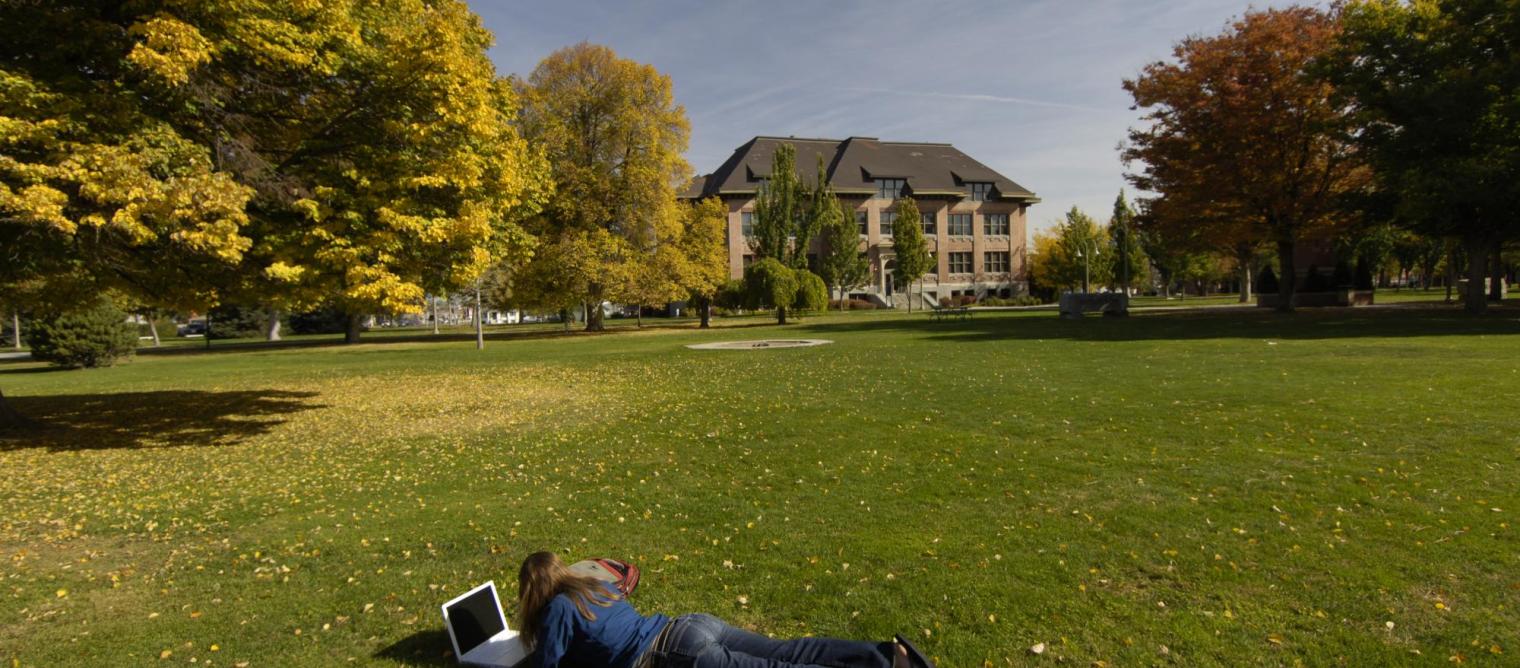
973,217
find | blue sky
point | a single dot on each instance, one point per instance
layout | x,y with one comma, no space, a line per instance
1029,87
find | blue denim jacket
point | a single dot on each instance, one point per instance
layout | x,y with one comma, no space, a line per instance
616,638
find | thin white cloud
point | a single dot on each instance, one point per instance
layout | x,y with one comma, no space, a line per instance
982,97
1030,88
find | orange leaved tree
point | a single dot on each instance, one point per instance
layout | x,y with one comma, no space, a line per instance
1238,132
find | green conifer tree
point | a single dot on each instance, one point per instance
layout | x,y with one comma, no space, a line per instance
908,243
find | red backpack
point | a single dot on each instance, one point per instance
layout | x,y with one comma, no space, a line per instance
620,574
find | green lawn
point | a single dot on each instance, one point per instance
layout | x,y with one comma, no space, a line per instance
1383,296
1334,487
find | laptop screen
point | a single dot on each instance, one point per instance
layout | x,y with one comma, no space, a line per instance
475,618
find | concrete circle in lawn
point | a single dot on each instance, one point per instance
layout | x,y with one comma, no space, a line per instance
761,344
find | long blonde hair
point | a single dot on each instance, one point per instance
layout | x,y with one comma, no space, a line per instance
542,577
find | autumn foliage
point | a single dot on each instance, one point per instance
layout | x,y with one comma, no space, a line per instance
1241,141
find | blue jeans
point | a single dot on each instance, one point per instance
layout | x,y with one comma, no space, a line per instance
704,641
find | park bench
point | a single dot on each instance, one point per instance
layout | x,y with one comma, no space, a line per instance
1075,304
943,312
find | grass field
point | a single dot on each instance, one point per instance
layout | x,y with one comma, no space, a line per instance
1335,487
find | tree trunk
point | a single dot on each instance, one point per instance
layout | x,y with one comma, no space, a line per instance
152,328
704,310
16,329
9,418
1496,274
594,316
480,323
272,324
780,316
353,326
640,318
1451,269
435,314
1288,282
564,318
1243,257
1476,299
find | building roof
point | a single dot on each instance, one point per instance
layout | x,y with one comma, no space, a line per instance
854,164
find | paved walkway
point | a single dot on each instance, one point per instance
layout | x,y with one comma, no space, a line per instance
15,356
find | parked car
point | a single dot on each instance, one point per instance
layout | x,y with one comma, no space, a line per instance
192,328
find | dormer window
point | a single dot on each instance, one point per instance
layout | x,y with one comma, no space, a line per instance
890,188
980,192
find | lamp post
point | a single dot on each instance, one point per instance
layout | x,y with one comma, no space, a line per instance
1087,263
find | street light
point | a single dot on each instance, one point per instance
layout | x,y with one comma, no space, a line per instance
1086,264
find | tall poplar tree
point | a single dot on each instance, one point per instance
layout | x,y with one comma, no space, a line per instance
909,247
704,255
780,208
1124,246
842,266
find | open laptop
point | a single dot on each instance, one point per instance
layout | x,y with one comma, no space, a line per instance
479,630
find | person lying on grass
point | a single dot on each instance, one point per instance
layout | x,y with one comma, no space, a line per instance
573,620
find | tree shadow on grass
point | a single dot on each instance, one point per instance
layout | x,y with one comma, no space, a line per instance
423,648
1306,324
149,419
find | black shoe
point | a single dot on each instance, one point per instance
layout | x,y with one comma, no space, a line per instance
915,657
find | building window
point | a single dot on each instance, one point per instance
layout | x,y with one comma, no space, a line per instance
995,262
960,263
980,192
995,224
926,221
888,218
747,224
862,223
889,188
960,224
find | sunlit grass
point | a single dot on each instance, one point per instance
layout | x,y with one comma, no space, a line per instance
1208,488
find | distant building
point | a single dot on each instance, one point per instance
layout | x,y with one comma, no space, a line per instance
972,216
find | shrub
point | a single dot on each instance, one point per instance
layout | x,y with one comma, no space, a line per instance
1316,281
93,336
1021,300
730,296
853,304
769,284
326,320
1342,278
236,322
1364,280
812,294
957,300
1266,283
